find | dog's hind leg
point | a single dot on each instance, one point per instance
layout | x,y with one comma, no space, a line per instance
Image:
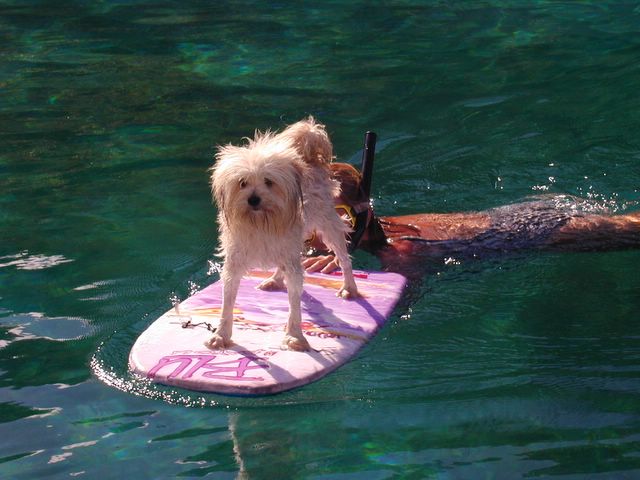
294,338
337,243
274,282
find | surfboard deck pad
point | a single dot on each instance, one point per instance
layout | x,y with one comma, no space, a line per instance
171,350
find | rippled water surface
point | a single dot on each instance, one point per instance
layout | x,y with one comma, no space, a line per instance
522,366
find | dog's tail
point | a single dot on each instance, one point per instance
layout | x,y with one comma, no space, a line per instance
310,139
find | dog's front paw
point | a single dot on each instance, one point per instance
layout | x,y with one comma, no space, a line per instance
218,342
296,344
271,285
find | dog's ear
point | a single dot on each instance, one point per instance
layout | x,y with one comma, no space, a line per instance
219,198
217,180
217,189
225,158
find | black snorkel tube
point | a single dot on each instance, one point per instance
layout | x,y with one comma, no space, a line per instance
362,218
368,154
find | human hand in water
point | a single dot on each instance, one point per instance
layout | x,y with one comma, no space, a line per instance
321,263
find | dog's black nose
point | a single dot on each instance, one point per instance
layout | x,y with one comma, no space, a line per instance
254,200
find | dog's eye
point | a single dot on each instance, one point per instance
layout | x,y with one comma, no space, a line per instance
243,183
268,182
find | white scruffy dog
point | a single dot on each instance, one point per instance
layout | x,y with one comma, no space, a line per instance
272,193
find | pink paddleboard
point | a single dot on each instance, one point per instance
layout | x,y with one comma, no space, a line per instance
172,352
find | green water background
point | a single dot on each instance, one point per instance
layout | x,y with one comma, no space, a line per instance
524,366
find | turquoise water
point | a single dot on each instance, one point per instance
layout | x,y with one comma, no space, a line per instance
522,366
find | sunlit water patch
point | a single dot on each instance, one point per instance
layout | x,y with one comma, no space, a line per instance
33,325
26,261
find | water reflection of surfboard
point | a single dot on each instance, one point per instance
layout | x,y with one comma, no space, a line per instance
171,350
